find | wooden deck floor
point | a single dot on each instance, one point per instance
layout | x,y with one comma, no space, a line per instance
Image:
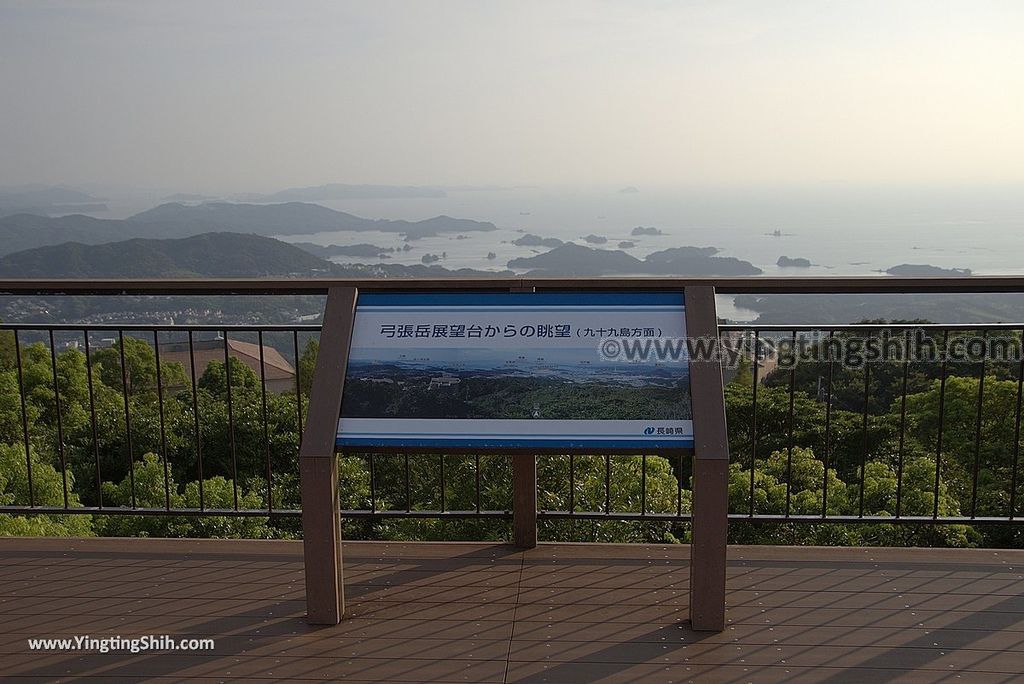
490,613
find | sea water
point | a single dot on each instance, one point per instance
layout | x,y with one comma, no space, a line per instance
841,230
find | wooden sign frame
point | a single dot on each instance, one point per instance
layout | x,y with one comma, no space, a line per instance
318,465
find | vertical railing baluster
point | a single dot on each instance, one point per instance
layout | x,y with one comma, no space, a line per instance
977,425
163,430
266,433
24,420
442,484
60,427
572,483
679,487
753,417
827,456
373,485
903,426
942,420
298,383
607,484
477,459
865,446
195,418
643,484
92,415
408,488
1016,428
789,428
231,420
127,415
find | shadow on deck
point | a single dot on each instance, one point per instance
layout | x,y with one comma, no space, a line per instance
456,612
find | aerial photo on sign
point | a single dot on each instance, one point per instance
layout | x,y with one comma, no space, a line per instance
513,369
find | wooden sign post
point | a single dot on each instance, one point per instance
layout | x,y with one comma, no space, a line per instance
318,464
710,467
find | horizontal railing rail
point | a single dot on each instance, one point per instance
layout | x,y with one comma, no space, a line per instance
725,285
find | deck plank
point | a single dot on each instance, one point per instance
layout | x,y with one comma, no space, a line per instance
560,613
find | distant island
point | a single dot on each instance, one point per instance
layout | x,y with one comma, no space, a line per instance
577,260
47,200
629,190
640,230
595,239
45,194
531,240
923,270
359,250
795,262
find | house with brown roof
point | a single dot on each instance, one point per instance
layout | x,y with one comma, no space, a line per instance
279,374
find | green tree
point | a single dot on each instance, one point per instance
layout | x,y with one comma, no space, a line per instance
139,367
805,476
47,490
307,364
154,489
963,445
8,355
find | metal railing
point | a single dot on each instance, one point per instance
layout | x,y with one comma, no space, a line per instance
872,423
44,340
87,414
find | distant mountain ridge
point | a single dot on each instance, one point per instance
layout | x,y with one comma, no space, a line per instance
45,199
290,218
227,255
209,255
26,231
175,220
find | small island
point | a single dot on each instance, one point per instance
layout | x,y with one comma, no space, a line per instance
577,260
641,230
794,262
531,240
358,250
919,270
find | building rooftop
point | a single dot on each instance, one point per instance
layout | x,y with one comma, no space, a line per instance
276,367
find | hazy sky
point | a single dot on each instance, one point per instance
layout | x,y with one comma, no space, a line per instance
236,96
